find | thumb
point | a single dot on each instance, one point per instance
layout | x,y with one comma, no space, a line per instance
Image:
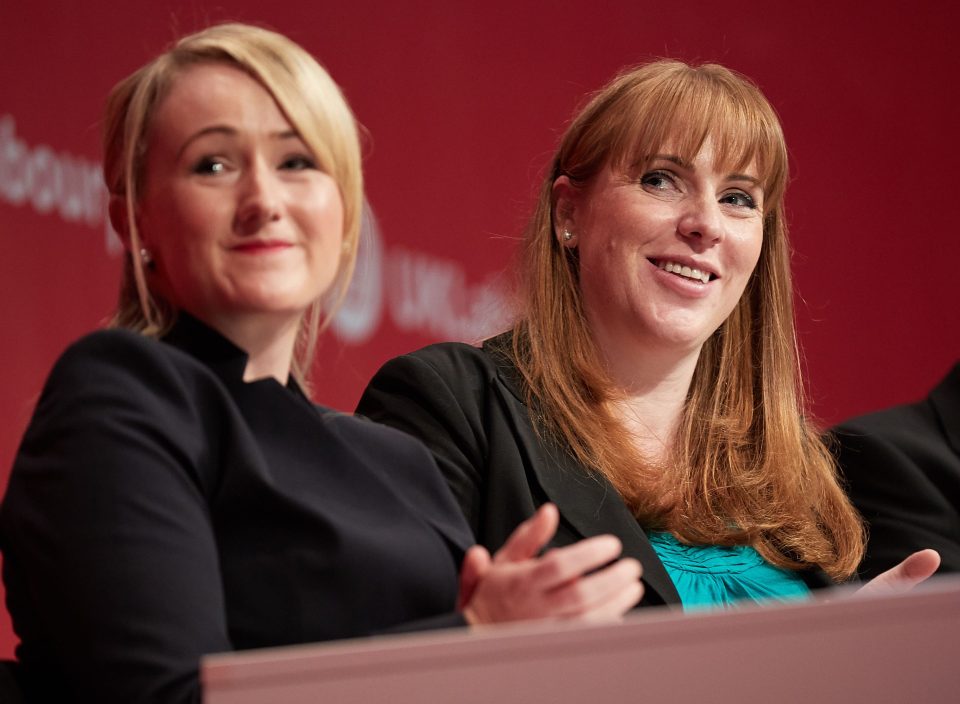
917,568
475,564
530,536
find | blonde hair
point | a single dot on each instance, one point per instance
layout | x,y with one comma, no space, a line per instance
308,98
747,467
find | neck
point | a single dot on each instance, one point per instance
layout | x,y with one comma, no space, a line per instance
653,383
268,340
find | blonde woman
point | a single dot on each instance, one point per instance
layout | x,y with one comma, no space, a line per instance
177,492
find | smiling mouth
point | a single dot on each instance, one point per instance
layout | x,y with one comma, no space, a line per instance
683,271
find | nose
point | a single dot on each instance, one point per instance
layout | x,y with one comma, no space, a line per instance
702,222
259,199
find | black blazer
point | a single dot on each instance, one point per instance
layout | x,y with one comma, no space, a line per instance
903,470
466,404
161,508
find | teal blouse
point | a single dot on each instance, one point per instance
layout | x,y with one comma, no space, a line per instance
717,577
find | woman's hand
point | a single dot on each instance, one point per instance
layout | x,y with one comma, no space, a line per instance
517,585
917,568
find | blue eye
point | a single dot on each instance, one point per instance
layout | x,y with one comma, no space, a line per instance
658,180
209,165
739,199
298,163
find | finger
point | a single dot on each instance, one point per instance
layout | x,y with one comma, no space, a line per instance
562,565
920,566
476,562
618,605
917,568
529,537
606,592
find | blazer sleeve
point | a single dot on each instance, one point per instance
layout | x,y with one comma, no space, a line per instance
907,487
440,402
110,560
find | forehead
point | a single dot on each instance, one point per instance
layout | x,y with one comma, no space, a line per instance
709,156
727,150
214,94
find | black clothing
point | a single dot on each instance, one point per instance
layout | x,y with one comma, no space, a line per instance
466,404
902,466
161,508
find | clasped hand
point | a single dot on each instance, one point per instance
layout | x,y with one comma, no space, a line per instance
581,581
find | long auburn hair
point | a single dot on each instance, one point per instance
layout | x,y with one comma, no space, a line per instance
747,466
308,98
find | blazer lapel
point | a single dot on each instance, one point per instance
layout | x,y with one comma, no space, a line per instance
585,499
592,506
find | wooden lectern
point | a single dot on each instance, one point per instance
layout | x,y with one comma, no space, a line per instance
878,650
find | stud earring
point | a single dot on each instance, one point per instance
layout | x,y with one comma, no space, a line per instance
567,235
146,257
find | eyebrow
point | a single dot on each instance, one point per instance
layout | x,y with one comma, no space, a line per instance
674,159
230,132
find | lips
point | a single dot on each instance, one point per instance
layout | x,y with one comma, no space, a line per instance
258,246
685,270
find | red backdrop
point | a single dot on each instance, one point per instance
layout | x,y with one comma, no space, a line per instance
463,103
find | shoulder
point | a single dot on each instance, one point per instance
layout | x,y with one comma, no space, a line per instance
458,365
106,348
117,373
928,416
130,411
120,353
907,442
448,368
899,425
450,359
440,394
104,359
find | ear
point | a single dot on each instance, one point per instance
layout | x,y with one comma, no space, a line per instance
566,200
117,208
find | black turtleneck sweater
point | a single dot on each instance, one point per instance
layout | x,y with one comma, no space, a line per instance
161,508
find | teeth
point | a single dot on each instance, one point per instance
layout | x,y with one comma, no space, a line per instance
685,271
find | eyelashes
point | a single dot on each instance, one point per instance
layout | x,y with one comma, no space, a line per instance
214,165
661,181
298,162
209,166
741,199
658,180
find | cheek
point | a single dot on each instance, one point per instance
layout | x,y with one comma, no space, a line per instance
181,234
757,251
323,230
324,220
178,218
748,250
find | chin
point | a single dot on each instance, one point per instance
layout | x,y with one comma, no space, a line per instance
271,297
270,305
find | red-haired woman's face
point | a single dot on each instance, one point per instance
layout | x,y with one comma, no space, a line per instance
235,212
664,255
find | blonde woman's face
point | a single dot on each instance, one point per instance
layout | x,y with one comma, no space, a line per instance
665,255
237,216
